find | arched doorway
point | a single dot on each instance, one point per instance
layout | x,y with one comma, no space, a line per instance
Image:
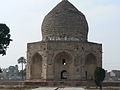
90,66
36,66
64,75
62,64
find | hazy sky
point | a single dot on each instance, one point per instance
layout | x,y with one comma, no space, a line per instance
24,18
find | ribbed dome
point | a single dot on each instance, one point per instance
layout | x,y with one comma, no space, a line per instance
65,22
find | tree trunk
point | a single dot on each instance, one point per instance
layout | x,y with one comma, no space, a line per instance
101,86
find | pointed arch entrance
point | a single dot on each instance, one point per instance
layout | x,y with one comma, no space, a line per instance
90,66
36,66
62,63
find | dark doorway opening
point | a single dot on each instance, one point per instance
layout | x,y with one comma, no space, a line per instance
64,74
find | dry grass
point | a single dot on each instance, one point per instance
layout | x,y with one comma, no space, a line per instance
106,88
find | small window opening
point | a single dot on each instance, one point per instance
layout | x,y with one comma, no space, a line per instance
63,61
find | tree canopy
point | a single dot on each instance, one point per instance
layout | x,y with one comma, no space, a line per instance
21,60
4,38
99,76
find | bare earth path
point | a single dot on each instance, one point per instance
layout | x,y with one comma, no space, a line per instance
55,88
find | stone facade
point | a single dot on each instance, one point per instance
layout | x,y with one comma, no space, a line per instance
52,54
64,54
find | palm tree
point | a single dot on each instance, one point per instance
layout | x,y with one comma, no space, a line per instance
22,60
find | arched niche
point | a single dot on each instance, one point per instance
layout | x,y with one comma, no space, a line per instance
36,66
62,61
90,66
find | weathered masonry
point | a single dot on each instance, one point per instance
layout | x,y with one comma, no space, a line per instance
64,54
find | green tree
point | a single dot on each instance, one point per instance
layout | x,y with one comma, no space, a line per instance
4,38
22,60
99,76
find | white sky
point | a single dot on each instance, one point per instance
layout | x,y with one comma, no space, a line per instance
24,18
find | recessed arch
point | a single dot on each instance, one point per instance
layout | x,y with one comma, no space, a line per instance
36,66
63,58
90,66
62,63
90,59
